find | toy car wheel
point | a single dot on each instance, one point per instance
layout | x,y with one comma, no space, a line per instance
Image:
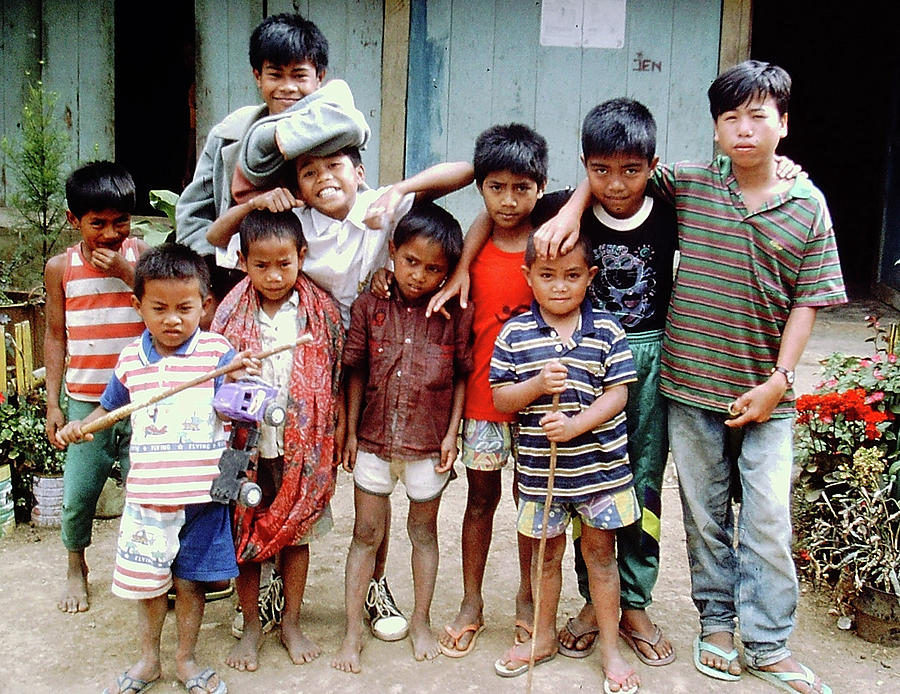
250,494
275,415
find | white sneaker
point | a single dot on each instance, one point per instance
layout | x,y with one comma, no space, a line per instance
385,619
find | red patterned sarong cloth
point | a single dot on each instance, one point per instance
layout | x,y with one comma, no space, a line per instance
310,457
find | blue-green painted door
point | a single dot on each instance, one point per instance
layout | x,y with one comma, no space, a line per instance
476,64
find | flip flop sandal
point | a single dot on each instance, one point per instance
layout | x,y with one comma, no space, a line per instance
131,685
456,636
620,681
578,652
782,680
631,637
501,669
202,681
527,628
709,670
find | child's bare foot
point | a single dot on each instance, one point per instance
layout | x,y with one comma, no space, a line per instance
245,654
645,638
75,593
515,661
524,617
425,645
347,659
301,649
724,642
578,636
457,635
620,676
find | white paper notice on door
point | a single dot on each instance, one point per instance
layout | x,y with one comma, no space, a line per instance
583,23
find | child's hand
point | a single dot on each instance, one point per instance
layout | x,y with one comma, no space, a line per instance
556,236
56,420
449,452
111,262
756,405
552,378
458,284
275,200
558,427
381,212
381,283
348,455
248,366
786,168
71,433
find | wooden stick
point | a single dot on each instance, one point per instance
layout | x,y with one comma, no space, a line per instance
111,418
542,546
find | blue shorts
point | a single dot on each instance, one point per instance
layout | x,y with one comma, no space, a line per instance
206,547
604,511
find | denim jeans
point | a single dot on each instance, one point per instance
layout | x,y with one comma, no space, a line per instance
754,581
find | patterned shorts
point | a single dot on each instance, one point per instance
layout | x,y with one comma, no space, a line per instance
487,446
602,511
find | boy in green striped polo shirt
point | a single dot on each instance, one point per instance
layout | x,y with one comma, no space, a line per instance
758,258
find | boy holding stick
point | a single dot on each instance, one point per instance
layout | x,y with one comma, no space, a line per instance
563,346
171,530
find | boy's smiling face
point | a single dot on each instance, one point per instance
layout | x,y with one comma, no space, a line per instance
101,229
282,86
329,183
509,199
171,310
750,133
618,181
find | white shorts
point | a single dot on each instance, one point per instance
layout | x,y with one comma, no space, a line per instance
378,477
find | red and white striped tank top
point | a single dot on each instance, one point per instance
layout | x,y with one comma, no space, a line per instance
100,321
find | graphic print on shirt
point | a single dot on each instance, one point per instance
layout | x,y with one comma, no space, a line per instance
625,284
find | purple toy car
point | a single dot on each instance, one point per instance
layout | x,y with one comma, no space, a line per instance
249,400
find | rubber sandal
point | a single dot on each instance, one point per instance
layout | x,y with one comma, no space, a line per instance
620,681
631,637
709,670
456,636
202,681
782,680
501,669
577,652
131,685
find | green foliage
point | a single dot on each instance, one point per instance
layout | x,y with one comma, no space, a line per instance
37,167
155,232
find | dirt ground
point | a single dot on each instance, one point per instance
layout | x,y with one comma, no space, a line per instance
45,650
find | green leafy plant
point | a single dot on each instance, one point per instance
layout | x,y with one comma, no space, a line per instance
846,510
37,164
154,231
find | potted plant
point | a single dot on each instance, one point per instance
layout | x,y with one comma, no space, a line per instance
847,499
37,466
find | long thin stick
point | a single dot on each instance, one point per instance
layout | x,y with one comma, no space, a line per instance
542,545
111,418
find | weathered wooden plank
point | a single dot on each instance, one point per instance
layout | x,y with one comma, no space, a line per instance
60,73
394,68
737,19
696,57
96,80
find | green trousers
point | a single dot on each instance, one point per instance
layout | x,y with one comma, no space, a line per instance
637,545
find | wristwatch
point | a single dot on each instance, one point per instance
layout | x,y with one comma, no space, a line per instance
787,373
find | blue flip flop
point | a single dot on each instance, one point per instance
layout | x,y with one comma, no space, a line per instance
709,670
782,680
131,685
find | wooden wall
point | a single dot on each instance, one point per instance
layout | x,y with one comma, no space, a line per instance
467,73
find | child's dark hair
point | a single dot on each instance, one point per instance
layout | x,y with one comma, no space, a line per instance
583,243
515,148
349,151
170,261
262,224
283,38
100,185
434,223
619,126
752,79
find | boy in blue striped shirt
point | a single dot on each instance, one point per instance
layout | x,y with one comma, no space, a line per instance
565,346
